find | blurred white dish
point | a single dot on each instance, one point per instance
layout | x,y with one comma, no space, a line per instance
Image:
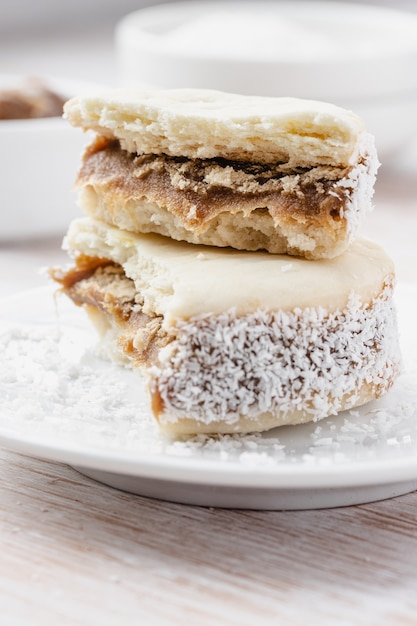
39,159
359,57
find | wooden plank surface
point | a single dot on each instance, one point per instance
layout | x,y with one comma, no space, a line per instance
78,553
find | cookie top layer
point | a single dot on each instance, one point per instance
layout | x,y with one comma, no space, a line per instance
198,123
180,281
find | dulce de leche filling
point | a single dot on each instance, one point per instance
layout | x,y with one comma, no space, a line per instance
197,190
100,284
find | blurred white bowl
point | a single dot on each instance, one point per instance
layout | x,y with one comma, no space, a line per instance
360,57
39,160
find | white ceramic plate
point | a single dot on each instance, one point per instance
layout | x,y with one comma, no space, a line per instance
61,402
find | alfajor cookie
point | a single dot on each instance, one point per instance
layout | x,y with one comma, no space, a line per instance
231,341
278,174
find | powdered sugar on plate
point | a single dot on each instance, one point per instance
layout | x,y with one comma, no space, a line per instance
55,388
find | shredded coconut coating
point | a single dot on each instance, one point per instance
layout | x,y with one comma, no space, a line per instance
358,186
226,367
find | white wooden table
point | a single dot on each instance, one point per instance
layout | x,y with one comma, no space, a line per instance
74,552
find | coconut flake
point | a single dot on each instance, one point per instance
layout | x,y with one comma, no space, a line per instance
358,186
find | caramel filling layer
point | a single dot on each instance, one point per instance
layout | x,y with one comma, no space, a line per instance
102,285
198,190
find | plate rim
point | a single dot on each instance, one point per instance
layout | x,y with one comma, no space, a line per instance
175,469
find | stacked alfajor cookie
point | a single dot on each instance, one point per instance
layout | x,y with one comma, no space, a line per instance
219,256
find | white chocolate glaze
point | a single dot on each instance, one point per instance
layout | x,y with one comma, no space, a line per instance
182,281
